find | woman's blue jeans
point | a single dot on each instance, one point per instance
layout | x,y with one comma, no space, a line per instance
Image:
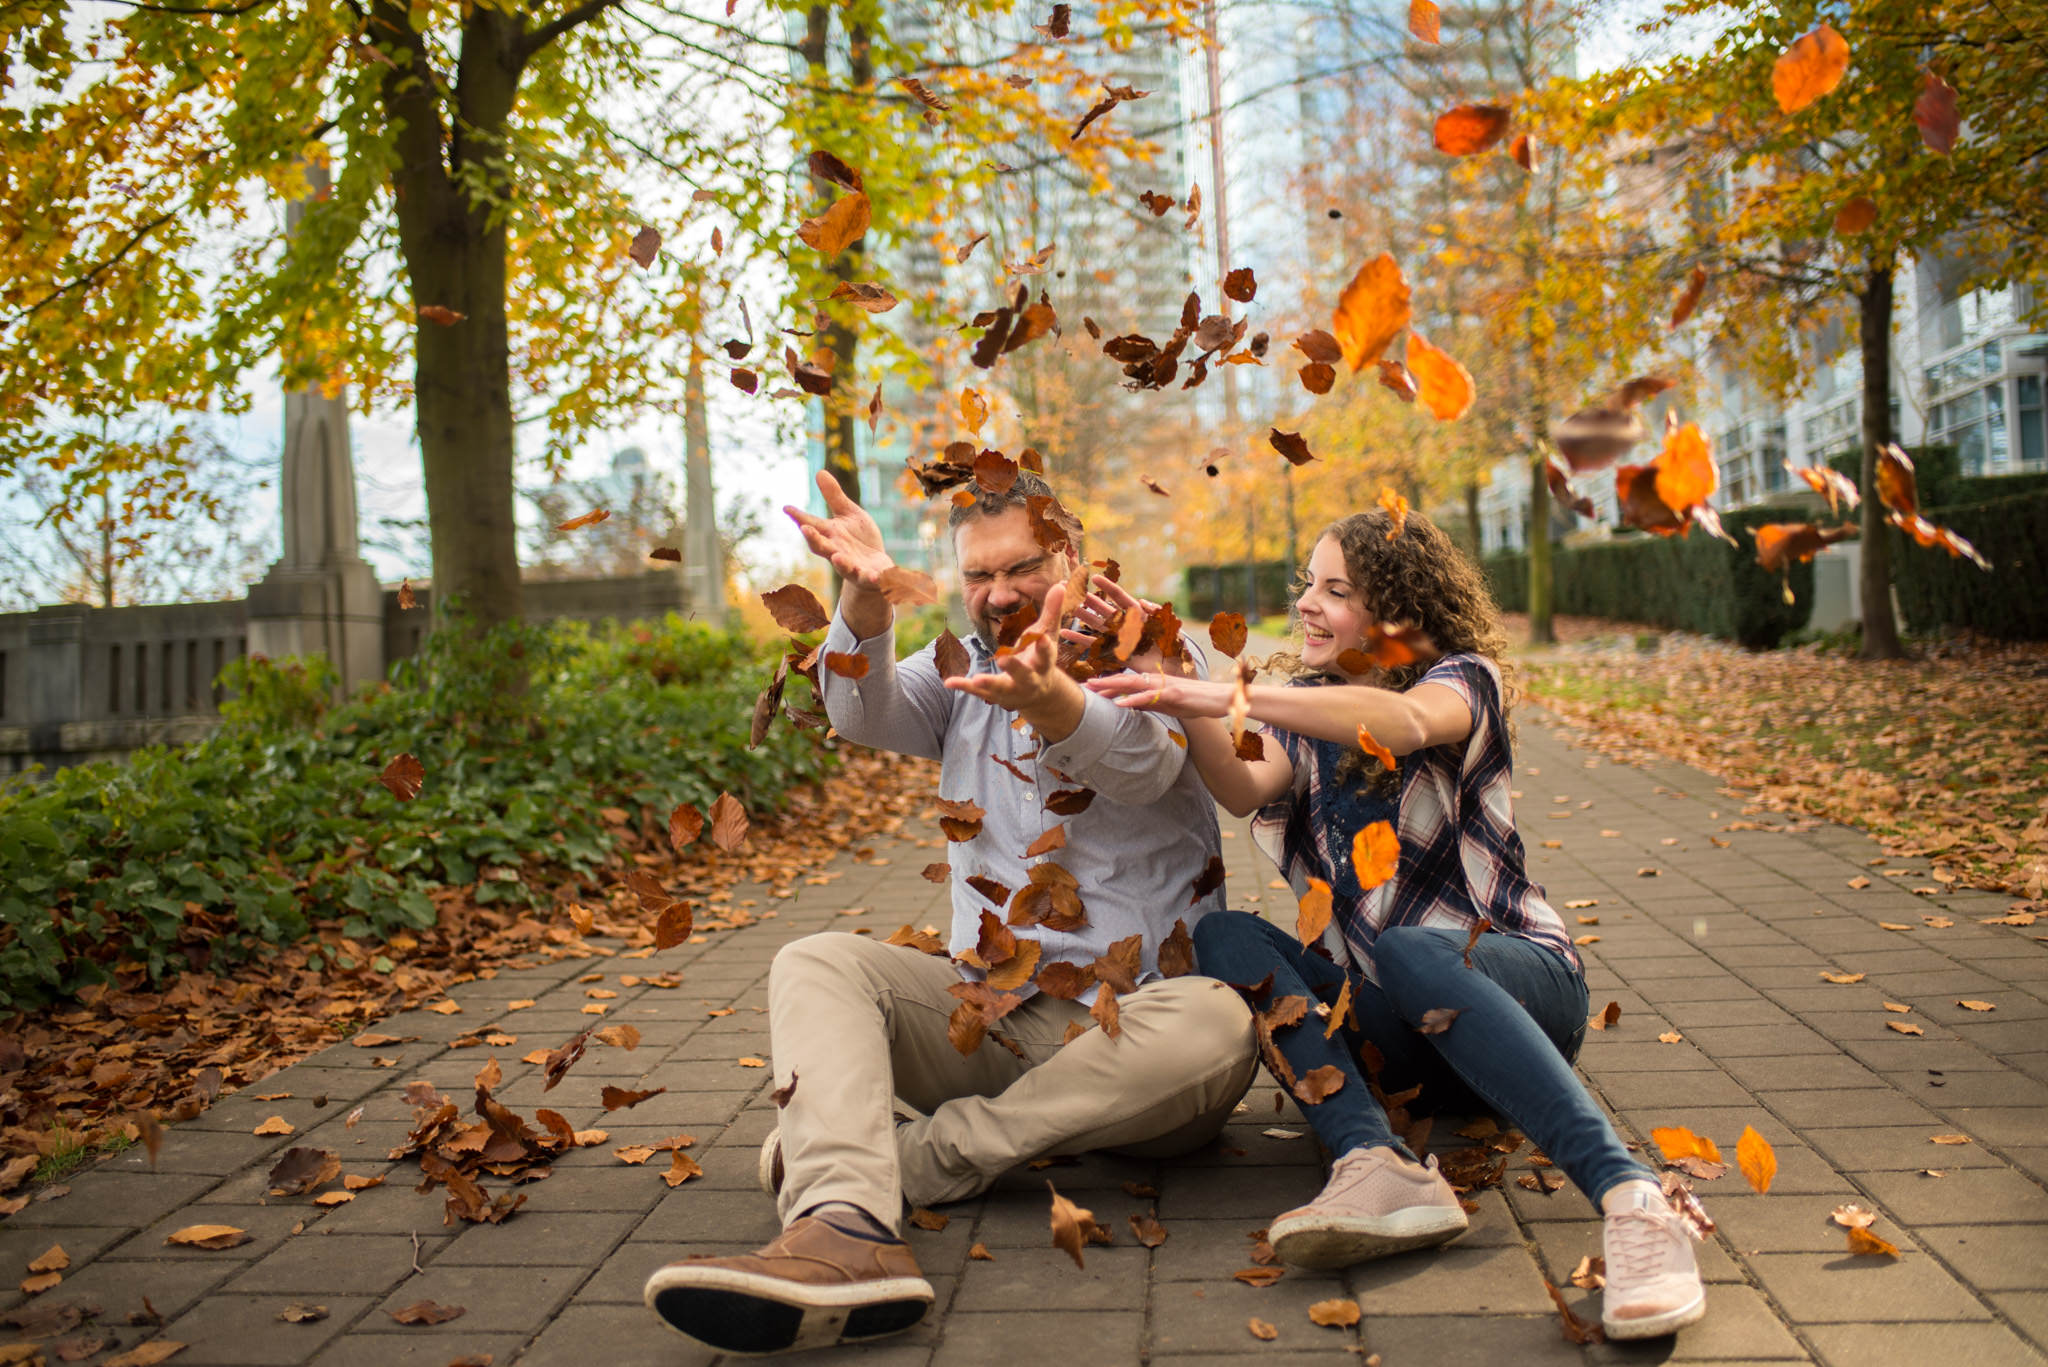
1522,1016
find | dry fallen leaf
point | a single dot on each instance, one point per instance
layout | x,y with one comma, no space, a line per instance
1259,1276
1854,1217
1334,1314
1261,1329
427,1312
1865,1244
1071,1225
208,1236
1832,977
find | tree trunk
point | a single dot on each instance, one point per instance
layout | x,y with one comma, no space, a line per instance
840,338
1874,308
1478,546
703,556
1541,630
455,256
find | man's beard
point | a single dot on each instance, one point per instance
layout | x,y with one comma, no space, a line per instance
997,632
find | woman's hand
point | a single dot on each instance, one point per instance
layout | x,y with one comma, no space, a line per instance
1103,605
1164,693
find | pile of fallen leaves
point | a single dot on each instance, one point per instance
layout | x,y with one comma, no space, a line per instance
124,1054
1942,757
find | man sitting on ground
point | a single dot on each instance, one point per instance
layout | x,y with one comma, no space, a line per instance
859,1029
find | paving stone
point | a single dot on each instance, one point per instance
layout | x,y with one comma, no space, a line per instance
402,1349
119,1287
1804,1072
1838,1107
1451,1280
1991,1257
106,1197
1895,1149
509,1300
318,1262
267,1226
1834,1288
542,1238
1082,1338
2028,1311
1966,1196
1740,1325
1778,1223
1980,1345
1753,1041
1455,1340
226,1328
1046,1278
1212,1317
1675,1090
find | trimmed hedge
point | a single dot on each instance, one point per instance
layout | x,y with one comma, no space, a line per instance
1938,591
1687,583
1209,589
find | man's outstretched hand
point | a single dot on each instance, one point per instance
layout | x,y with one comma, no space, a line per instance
846,536
1030,682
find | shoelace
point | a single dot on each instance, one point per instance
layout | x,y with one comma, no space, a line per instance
1353,1170
1640,1241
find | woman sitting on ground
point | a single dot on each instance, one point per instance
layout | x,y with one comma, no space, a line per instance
1517,997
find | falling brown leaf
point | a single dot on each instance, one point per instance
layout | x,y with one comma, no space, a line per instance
582,520
796,609
1855,216
614,1098
1863,1243
1690,296
440,314
728,823
1437,1019
1523,150
1317,1084
403,777
1071,1225
839,227
864,295
1290,445
1576,1330
1934,111
645,244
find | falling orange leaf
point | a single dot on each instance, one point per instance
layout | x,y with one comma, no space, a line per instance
1444,386
1863,1243
1373,308
1809,69
589,519
1375,854
1375,749
1470,129
1424,21
1754,1155
1689,297
1397,511
1312,916
1855,216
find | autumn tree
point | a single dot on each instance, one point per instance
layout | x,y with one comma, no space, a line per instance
1814,153
486,245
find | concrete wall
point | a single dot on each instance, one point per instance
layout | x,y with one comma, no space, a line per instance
80,683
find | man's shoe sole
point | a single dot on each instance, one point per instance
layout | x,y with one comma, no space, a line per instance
768,1168
1656,1326
746,1312
1330,1241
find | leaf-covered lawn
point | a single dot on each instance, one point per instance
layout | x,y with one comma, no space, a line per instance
1945,756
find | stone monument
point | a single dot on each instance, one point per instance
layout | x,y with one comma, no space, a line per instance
321,597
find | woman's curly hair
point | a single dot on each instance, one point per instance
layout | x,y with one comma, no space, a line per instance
1416,577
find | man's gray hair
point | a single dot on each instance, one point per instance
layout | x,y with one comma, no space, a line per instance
986,504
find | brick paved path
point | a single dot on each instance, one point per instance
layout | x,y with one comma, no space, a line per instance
1725,945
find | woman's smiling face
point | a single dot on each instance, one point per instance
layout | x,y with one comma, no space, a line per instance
1334,617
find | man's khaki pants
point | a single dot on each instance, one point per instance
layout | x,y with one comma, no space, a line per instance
859,1024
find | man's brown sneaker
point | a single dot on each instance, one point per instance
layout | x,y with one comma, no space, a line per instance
813,1286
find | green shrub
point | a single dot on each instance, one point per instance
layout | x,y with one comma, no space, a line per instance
1936,590
207,855
1688,583
1209,589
